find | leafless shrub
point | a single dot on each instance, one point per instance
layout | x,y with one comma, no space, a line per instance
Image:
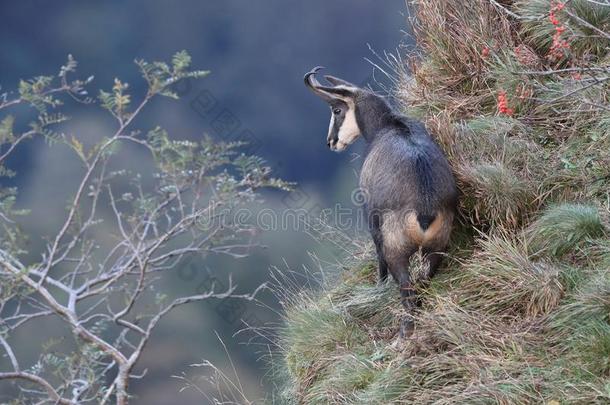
103,287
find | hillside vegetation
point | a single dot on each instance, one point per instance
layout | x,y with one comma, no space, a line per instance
517,94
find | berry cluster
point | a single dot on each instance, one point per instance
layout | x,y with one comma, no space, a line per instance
559,45
485,53
503,107
526,56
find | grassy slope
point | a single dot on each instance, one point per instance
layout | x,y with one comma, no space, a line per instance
521,313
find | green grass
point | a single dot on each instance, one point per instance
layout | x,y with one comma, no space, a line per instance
584,41
501,328
501,279
494,194
563,228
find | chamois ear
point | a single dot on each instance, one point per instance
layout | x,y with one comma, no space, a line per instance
335,81
327,93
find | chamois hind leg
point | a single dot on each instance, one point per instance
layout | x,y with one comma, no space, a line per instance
399,267
434,249
434,257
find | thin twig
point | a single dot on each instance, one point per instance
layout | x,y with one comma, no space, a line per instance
588,24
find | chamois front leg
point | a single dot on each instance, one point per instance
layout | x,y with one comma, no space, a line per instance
382,264
375,229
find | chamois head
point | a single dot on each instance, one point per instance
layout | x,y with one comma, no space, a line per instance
342,97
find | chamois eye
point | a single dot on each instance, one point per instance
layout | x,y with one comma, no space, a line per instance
337,111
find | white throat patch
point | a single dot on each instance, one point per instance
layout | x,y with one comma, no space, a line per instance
349,130
331,125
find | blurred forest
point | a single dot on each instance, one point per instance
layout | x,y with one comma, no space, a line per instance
257,53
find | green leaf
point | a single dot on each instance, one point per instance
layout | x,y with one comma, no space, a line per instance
180,62
6,130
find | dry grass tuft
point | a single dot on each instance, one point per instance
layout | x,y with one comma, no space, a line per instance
562,229
493,194
453,35
501,279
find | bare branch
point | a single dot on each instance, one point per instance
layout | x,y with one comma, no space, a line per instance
9,352
507,11
53,395
81,188
15,143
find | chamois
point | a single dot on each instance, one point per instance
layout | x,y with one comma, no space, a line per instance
409,189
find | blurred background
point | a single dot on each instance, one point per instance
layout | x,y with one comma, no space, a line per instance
257,53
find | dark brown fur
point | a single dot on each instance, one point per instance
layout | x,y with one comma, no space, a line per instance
411,201
410,191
